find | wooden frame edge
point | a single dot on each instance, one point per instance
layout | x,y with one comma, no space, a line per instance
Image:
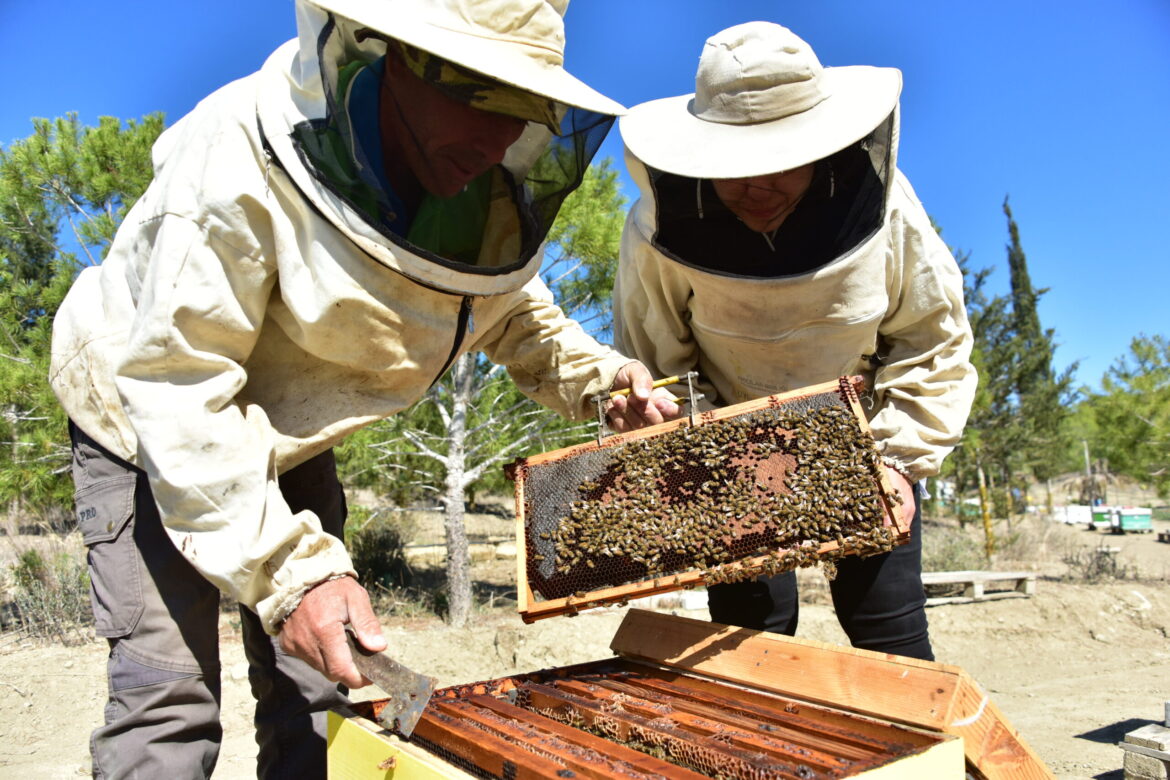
531,610
919,693
655,430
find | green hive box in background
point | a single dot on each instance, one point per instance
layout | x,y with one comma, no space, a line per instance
1102,517
1123,519
1135,518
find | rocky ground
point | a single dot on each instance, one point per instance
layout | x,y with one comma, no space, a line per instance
1073,667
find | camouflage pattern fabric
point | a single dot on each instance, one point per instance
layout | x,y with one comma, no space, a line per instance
474,89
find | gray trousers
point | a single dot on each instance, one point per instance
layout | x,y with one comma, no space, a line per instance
161,619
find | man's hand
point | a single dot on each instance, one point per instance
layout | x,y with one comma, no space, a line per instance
644,406
315,632
905,490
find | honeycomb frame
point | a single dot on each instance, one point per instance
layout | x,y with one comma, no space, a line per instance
757,488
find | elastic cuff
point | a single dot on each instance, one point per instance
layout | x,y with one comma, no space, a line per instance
606,375
899,467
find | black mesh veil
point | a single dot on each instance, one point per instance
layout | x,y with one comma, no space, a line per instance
561,166
843,207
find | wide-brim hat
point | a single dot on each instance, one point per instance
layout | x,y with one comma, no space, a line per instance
762,103
518,42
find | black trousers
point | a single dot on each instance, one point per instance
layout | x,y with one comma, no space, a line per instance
879,600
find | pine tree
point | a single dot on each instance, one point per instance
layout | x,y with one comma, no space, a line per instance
1041,395
63,192
1131,413
986,444
1016,427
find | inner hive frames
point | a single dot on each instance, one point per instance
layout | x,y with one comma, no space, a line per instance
617,719
760,488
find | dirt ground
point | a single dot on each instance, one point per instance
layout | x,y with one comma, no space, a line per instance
1073,668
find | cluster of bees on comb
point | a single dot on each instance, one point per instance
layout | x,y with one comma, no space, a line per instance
735,498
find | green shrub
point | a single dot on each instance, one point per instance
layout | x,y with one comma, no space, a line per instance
379,554
1001,502
30,571
50,599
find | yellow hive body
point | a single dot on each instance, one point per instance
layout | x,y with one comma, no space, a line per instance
718,696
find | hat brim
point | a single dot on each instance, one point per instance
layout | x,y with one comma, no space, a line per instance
665,134
505,61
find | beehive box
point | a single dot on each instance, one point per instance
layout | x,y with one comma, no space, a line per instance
688,699
757,488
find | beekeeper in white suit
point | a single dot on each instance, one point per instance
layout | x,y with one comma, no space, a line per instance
321,240
775,245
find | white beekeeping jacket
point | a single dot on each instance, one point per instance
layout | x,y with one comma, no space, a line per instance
249,315
888,306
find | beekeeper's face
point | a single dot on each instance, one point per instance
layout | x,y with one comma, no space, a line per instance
764,202
446,144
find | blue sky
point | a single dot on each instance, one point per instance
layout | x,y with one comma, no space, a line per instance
1061,105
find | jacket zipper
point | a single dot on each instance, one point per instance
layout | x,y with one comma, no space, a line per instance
464,325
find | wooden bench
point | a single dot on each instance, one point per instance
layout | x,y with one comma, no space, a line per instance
979,585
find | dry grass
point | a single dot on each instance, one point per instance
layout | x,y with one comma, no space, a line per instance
44,586
44,590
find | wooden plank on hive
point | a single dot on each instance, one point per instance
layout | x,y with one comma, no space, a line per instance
743,711
920,693
695,727
579,748
680,743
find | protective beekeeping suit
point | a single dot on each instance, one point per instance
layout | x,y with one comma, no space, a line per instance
321,241
775,245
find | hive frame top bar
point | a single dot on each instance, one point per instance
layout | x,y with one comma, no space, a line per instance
850,387
691,399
